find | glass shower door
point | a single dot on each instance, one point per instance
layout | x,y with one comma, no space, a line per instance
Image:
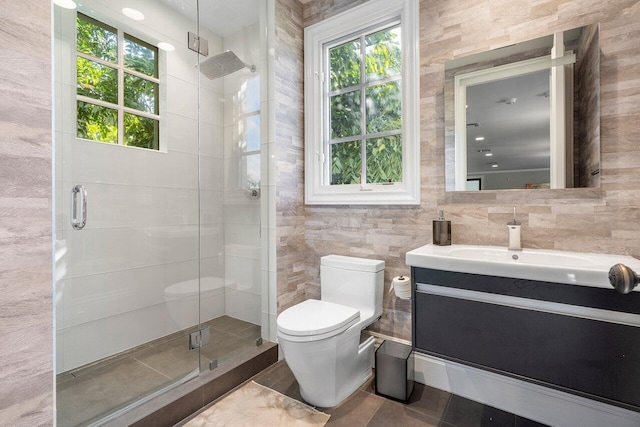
232,134
127,224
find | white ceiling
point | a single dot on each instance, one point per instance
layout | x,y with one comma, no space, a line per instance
222,17
517,134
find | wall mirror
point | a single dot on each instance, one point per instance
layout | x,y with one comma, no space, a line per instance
526,116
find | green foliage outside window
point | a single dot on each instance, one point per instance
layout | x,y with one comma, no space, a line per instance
384,159
96,39
345,65
346,115
100,81
346,163
140,56
382,109
97,123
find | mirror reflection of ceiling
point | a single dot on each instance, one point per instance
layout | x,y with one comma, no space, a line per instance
512,117
222,17
509,148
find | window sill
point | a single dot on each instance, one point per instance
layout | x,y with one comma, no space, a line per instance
375,194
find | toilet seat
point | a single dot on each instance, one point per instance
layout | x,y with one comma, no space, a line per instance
313,320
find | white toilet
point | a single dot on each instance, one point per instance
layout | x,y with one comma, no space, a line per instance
320,340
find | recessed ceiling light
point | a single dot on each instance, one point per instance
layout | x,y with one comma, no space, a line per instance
168,47
488,154
495,165
134,14
66,4
480,138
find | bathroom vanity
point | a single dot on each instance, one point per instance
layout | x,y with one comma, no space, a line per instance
546,317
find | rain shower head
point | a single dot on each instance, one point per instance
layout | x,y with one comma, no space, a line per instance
223,64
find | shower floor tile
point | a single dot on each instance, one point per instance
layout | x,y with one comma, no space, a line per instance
90,392
111,386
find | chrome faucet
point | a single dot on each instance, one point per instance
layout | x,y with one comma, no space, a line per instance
514,227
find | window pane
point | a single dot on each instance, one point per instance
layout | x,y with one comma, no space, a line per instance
384,107
345,65
346,163
140,56
96,39
140,131
250,95
97,81
384,159
251,171
140,94
383,54
345,115
252,133
97,123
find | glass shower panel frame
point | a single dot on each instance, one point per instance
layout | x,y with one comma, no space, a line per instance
127,285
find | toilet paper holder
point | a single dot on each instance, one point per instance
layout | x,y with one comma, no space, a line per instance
401,286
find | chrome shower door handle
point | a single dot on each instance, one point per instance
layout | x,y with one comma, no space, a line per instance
78,224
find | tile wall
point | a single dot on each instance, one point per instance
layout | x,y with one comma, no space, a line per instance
289,164
605,219
587,152
26,322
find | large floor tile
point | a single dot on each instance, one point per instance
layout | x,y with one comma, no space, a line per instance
357,410
395,414
172,358
428,400
112,386
289,386
467,413
226,349
273,374
524,422
228,324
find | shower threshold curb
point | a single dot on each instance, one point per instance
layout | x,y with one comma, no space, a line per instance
185,399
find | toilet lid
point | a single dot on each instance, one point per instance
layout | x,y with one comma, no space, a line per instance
314,317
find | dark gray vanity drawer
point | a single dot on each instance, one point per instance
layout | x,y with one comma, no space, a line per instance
596,359
584,296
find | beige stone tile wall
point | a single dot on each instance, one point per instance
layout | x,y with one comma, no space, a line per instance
605,219
318,10
26,319
587,110
290,245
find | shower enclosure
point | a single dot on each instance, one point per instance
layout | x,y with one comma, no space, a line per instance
160,248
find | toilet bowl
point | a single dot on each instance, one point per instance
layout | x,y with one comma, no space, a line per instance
320,339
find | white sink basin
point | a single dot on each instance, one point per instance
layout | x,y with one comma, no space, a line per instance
533,264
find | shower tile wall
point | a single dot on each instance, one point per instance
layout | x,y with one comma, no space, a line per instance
131,275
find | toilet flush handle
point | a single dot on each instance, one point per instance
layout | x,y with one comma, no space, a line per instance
623,279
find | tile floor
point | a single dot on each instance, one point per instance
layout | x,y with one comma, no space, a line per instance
427,407
90,392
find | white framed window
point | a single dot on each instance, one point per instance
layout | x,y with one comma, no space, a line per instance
249,121
362,106
117,86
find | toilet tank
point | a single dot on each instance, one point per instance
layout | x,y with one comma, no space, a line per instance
354,282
